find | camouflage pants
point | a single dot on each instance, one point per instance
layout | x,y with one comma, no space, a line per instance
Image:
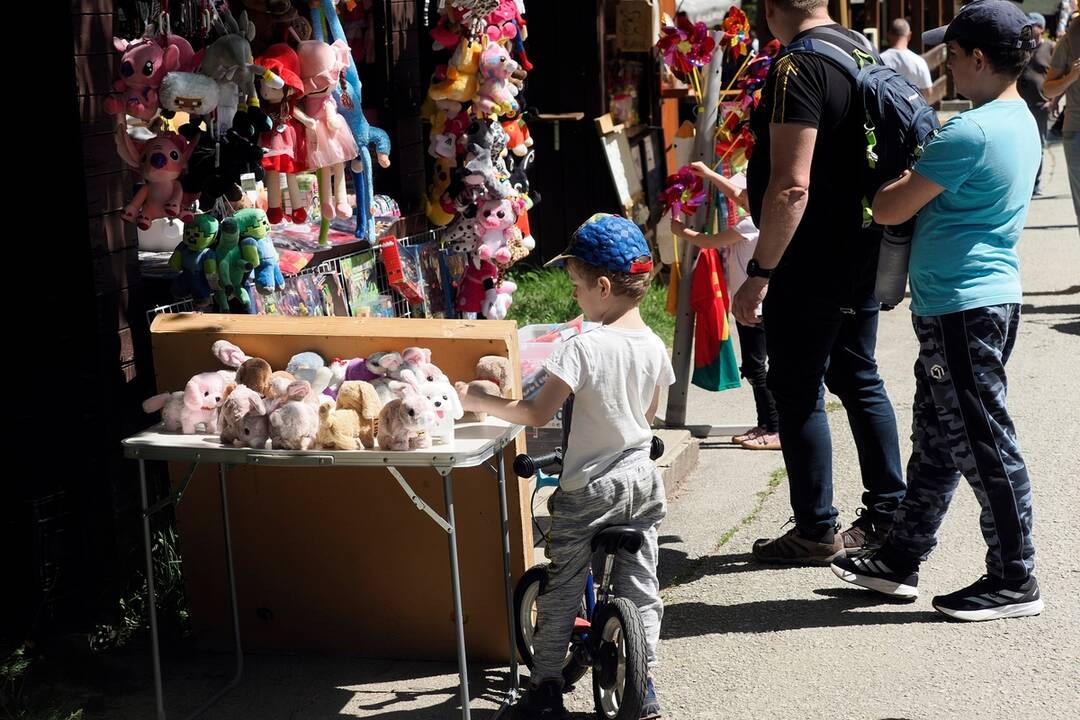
960,426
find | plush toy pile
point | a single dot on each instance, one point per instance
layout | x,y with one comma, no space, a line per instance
293,108
481,146
390,400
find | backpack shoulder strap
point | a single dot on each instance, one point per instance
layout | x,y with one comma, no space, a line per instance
850,62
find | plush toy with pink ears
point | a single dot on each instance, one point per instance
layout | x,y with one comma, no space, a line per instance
143,66
161,162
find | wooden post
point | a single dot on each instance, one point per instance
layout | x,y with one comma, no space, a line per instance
918,25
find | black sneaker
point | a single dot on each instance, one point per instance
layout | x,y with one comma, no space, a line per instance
991,598
865,534
650,708
543,702
874,572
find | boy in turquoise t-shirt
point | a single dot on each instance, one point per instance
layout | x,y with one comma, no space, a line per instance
971,189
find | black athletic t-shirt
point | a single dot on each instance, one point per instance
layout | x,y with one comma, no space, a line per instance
830,256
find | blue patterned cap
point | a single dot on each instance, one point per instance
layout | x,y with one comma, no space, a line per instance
611,242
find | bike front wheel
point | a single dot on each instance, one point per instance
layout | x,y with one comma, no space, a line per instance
526,593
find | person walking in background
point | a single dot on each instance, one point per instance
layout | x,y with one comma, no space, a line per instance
1061,79
909,64
1031,83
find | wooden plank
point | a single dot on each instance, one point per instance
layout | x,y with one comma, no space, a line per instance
95,73
92,116
411,158
107,193
127,346
100,155
936,56
406,74
129,372
938,91
92,33
109,234
918,24
404,45
409,132
116,271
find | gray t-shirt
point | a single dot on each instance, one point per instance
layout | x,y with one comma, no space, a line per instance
1064,56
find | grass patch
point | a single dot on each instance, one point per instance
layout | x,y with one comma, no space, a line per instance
546,296
833,405
19,702
695,569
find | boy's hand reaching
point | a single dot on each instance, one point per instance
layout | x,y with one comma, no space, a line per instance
468,402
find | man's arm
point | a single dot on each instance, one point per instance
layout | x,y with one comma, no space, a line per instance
1058,81
782,208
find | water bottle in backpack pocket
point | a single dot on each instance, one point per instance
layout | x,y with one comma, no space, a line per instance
892,267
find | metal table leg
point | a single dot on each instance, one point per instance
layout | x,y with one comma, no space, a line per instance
155,649
455,581
232,600
504,514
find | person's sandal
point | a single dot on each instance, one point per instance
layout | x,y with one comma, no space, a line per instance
762,441
749,434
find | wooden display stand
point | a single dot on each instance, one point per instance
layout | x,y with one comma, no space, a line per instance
339,561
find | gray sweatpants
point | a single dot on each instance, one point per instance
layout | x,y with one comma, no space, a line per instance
630,492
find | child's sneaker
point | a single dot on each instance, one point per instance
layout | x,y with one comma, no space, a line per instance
874,571
991,598
543,702
650,709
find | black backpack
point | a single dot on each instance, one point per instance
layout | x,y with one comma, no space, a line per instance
898,122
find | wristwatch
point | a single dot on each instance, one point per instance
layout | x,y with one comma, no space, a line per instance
755,270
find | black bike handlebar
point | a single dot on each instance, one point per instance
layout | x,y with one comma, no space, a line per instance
526,466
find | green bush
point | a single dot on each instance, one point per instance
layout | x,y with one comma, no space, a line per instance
546,296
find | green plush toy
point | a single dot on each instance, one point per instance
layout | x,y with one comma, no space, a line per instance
229,270
191,257
253,223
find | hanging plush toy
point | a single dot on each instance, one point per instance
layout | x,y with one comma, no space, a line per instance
161,161
229,271
257,248
192,256
480,276
496,92
459,81
143,66
494,224
330,143
285,142
229,61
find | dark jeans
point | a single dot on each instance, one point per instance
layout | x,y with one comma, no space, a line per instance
813,344
754,369
1042,119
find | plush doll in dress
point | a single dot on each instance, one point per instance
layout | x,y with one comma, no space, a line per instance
197,404
360,397
161,162
330,144
405,422
285,142
479,277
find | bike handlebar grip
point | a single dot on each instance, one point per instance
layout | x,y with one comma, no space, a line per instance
526,466
656,451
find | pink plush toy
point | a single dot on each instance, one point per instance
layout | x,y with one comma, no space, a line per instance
497,300
497,93
406,421
386,366
143,66
242,402
330,143
295,424
196,405
495,222
418,361
161,162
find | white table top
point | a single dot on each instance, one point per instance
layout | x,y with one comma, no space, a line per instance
474,443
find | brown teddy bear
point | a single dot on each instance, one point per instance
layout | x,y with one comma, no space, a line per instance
361,397
338,429
493,377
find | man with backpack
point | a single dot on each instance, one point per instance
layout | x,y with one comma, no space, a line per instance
818,263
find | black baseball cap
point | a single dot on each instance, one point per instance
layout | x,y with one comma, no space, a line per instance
987,23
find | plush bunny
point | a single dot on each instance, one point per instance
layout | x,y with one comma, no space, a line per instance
241,402
447,408
406,421
338,429
360,397
279,383
418,360
196,405
295,424
387,366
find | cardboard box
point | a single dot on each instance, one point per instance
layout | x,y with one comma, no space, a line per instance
334,560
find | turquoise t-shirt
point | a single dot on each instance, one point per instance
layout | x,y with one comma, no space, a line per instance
963,251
